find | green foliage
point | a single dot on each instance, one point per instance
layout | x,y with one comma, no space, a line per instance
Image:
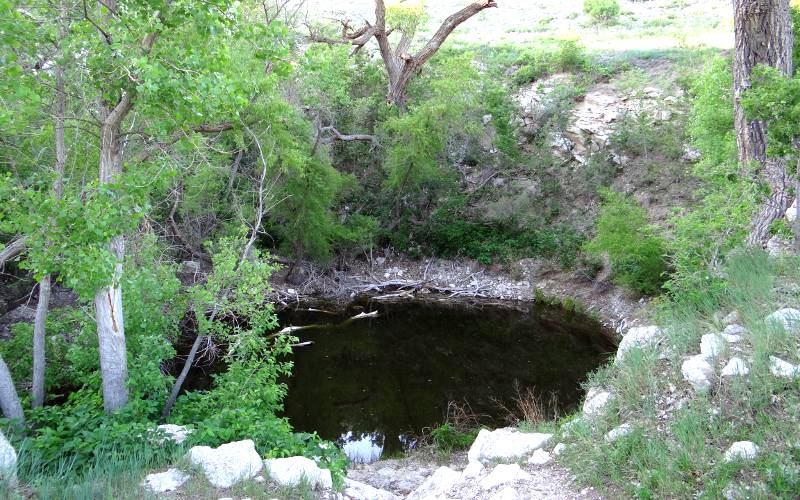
567,56
776,100
637,254
448,439
710,122
601,10
451,231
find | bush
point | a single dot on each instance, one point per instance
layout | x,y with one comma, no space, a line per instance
567,56
637,255
601,10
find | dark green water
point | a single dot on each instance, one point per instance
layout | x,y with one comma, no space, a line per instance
373,384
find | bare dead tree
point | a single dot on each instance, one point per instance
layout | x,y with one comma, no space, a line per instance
400,64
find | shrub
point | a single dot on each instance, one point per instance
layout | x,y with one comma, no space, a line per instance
637,255
567,56
601,10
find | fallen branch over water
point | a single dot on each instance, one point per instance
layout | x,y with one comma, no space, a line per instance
409,287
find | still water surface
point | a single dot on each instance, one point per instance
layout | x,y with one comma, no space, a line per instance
373,384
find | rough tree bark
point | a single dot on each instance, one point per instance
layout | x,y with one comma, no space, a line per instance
763,35
400,65
9,401
43,304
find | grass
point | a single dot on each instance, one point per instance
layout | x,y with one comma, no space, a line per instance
679,436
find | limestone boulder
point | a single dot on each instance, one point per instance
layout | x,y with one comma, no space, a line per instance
639,336
436,485
787,317
164,482
741,450
227,464
295,470
504,474
8,461
596,402
698,372
354,490
505,444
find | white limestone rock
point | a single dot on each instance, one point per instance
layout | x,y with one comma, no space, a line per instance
617,433
736,367
164,482
640,336
472,470
438,484
539,457
734,330
227,464
292,471
791,212
175,433
697,372
507,493
559,449
596,401
783,369
504,474
711,345
8,461
787,317
741,450
505,444
355,490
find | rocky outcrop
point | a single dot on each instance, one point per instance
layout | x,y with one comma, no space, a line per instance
596,401
295,470
505,444
228,464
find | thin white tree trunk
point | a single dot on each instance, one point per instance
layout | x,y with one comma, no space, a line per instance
9,401
39,362
43,305
111,336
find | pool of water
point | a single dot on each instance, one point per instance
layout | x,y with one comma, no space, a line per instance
375,384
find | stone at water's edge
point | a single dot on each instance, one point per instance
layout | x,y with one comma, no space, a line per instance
8,461
164,482
293,470
438,484
505,444
228,464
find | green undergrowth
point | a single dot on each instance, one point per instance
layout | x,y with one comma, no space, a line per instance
678,438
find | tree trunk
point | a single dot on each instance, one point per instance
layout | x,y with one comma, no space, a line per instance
9,401
176,388
43,305
39,363
763,35
108,300
796,223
